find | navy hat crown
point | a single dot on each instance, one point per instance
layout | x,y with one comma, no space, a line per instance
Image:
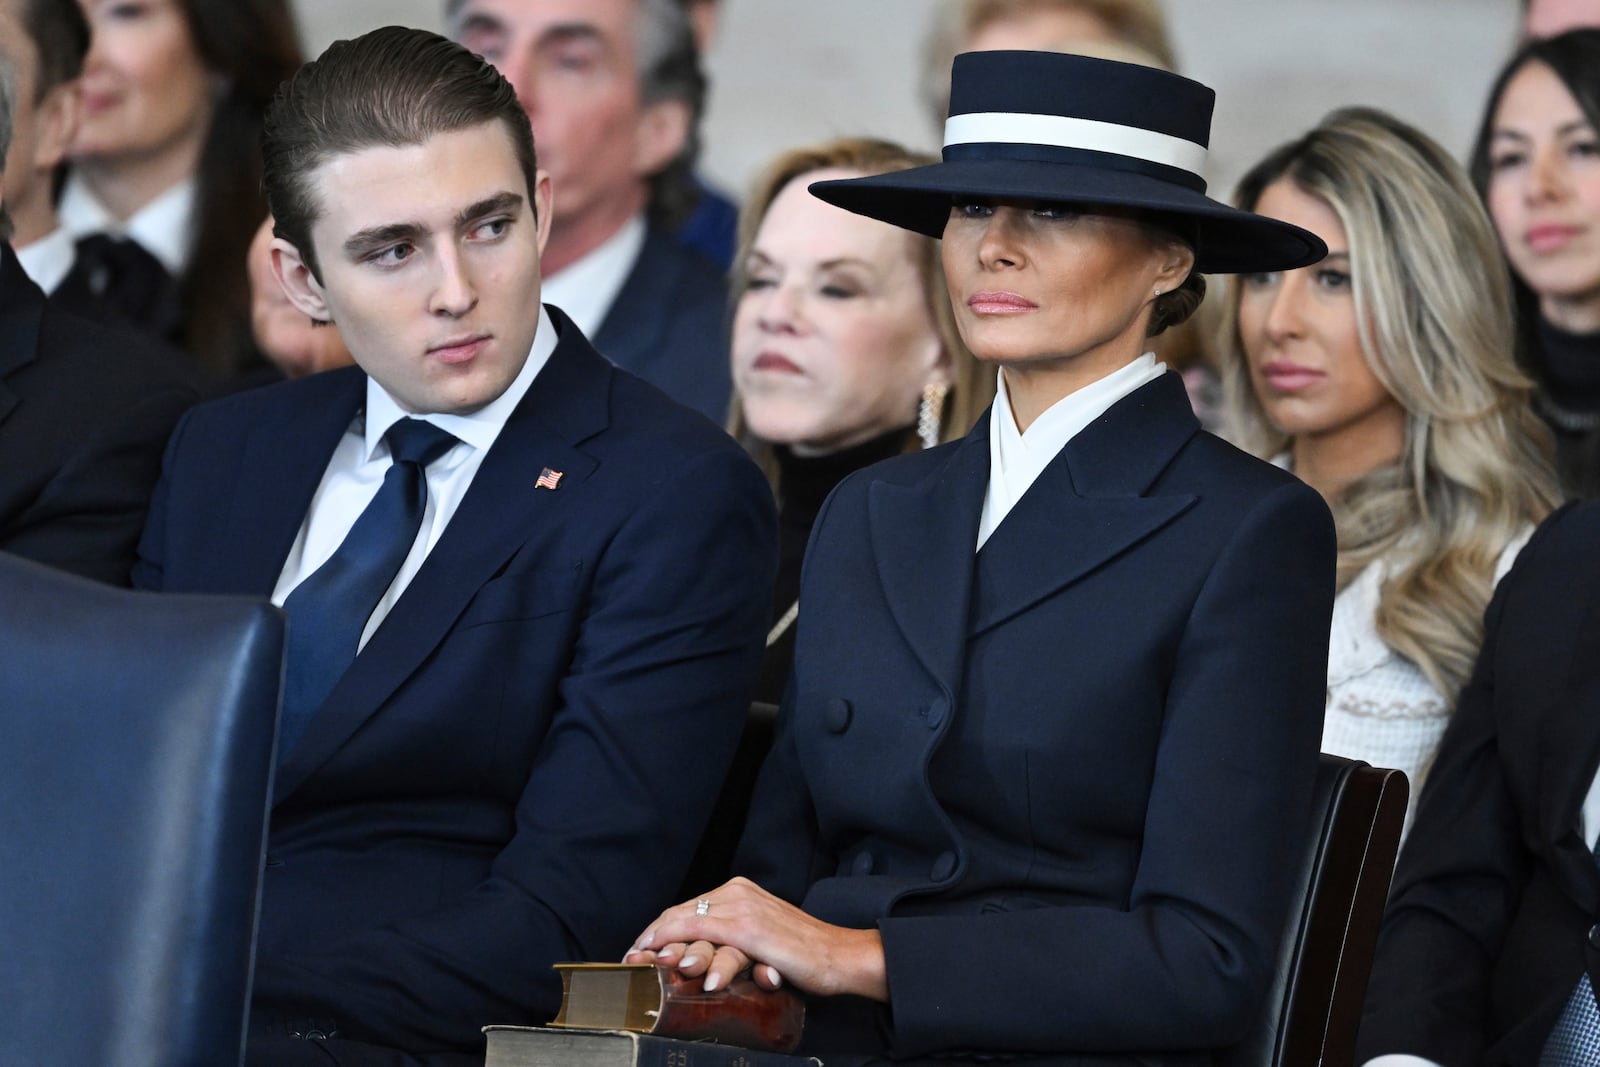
1053,127
1029,105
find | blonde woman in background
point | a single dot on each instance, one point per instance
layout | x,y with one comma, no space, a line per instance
1384,377
845,350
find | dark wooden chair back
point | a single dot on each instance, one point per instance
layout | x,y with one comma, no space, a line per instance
1314,1007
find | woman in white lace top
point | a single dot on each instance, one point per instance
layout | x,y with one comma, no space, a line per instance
1383,376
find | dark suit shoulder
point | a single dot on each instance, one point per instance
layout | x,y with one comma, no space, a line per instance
645,416
1550,589
1219,465
1564,545
685,270
115,366
274,400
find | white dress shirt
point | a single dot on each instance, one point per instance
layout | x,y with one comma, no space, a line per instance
361,459
48,259
587,288
164,227
1016,458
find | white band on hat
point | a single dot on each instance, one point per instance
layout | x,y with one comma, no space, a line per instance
1061,131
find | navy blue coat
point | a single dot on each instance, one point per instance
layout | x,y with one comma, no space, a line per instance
499,781
1062,777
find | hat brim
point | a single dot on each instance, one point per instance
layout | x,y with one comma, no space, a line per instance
1229,240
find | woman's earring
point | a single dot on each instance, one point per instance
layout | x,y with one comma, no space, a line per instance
1158,290
930,412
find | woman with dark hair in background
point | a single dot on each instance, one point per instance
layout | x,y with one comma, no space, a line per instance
168,158
1536,164
1384,378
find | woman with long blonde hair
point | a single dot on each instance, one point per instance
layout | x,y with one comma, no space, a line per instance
1384,377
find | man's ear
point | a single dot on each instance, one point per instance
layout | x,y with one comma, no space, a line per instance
58,115
299,285
661,134
543,197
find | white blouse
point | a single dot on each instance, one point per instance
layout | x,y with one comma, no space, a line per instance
1381,708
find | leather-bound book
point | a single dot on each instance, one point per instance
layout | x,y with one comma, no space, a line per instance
659,1000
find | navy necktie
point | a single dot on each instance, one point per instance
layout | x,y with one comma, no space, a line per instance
328,611
1574,1041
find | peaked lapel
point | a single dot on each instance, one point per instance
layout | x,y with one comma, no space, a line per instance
290,454
568,402
21,310
923,539
1090,504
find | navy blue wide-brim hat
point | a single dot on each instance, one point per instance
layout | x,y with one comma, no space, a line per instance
1068,129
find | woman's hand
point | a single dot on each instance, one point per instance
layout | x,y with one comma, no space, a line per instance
744,926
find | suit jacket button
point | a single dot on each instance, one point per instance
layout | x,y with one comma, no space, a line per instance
1594,936
862,865
944,866
836,713
936,713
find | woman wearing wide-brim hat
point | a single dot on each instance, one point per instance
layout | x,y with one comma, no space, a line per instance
1047,752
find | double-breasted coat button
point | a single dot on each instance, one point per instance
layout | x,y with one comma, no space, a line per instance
862,865
1594,936
836,713
937,712
944,866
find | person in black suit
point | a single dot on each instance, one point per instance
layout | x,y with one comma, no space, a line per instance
1492,919
85,411
614,91
1045,759
499,754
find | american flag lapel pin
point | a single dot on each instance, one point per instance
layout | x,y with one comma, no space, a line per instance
549,479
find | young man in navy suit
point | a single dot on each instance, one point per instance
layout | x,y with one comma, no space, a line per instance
508,759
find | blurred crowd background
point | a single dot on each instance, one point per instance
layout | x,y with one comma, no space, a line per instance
785,73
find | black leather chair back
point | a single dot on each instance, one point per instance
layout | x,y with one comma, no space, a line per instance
1314,1007
136,742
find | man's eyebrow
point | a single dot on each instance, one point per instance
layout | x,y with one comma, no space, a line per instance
500,203
477,22
373,238
568,32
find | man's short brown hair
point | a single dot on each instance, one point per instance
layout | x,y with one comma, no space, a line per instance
393,87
